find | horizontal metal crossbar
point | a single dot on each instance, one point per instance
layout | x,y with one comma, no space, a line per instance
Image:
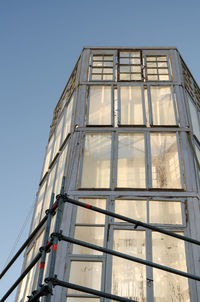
84,289
125,256
130,220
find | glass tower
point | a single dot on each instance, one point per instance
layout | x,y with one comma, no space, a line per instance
126,135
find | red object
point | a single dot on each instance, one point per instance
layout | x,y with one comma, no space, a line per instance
42,265
54,206
55,247
48,244
88,206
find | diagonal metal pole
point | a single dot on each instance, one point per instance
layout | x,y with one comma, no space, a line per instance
126,256
24,245
27,270
88,290
130,220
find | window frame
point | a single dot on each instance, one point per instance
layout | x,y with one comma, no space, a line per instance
114,157
88,106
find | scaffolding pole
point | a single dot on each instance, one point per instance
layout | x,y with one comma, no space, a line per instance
27,270
130,220
59,200
24,245
125,256
88,290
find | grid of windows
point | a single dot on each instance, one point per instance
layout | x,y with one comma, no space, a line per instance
58,138
157,68
130,160
101,68
117,158
123,237
148,105
130,66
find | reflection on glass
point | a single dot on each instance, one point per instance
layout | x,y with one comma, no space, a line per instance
85,215
90,234
96,161
135,209
131,161
165,212
85,273
131,105
100,105
68,118
162,105
170,252
194,118
165,161
129,278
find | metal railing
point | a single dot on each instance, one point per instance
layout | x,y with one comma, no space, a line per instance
51,243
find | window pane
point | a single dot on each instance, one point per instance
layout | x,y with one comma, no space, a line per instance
131,105
170,252
165,161
85,273
131,161
49,189
162,106
129,278
68,118
58,135
96,161
60,171
194,118
100,105
32,276
38,210
135,209
48,155
90,217
23,283
90,234
165,212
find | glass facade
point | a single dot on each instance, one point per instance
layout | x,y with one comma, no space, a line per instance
126,135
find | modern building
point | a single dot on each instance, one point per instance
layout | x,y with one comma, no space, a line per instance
126,135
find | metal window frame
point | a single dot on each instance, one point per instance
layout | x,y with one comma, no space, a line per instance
88,106
131,84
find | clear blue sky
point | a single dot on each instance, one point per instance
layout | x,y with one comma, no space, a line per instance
40,41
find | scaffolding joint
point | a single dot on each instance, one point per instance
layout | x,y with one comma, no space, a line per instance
53,280
36,294
58,235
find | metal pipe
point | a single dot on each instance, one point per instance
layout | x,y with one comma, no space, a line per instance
29,267
130,220
59,199
84,289
45,240
28,240
125,256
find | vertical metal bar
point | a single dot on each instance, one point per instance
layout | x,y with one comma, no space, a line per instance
45,240
55,240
